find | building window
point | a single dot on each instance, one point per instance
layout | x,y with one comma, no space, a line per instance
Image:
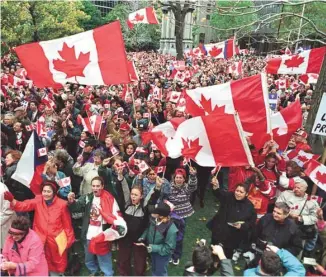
208,17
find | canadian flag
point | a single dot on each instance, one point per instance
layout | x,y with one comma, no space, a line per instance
240,96
157,93
82,58
146,115
235,68
285,123
146,15
180,76
309,61
282,83
64,182
317,173
301,157
222,50
160,169
22,82
143,166
114,151
161,133
174,96
21,73
81,144
42,152
206,141
309,78
40,126
244,51
91,124
295,85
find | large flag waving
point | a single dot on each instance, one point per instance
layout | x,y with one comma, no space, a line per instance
317,173
223,50
95,57
309,61
213,140
248,96
146,15
31,164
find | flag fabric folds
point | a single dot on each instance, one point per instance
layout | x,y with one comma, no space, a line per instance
145,15
95,57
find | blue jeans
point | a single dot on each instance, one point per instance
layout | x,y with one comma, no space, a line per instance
160,264
96,262
311,243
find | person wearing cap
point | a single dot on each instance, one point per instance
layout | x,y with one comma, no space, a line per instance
160,239
180,194
23,251
303,211
51,221
142,126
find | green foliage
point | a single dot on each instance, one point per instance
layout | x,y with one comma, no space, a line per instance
226,22
289,26
27,21
94,19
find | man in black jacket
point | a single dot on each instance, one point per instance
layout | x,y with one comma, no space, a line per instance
279,230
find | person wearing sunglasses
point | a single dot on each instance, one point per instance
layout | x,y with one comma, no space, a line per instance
23,251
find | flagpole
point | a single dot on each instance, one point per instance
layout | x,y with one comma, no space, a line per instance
133,100
99,133
243,139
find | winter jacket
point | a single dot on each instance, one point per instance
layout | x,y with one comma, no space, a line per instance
232,211
283,235
291,264
180,197
114,186
49,220
28,255
161,237
296,204
137,217
88,171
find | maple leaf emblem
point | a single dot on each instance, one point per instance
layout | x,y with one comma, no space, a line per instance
321,177
180,75
70,65
294,61
282,84
303,158
175,96
139,17
215,51
206,104
190,148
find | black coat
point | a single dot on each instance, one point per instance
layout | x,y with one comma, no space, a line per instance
286,235
231,211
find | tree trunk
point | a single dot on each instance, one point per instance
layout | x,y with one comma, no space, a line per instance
316,141
179,27
36,36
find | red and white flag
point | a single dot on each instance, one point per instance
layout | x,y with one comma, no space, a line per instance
21,73
143,166
174,96
309,61
235,68
114,151
244,51
222,50
64,182
285,123
287,51
295,85
317,173
206,140
179,65
241,96
40,126
96,123
81,144
95,57
30,127
301,157
282,83
180,76
48,102
309,78
42,152
160,169
22,82
157,93
145,15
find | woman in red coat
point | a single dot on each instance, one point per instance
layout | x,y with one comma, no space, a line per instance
51,221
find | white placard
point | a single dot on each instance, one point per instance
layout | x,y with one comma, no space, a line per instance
320,121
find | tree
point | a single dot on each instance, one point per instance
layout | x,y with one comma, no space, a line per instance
94,19
232,23
28,21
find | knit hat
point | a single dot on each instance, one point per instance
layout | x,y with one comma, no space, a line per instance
52,184
180,171
162,209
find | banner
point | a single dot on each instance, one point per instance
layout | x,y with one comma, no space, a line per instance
320,120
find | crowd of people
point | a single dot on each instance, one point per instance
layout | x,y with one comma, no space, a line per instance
125,195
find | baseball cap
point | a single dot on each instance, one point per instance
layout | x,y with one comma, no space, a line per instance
162,209
124,127
90,142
